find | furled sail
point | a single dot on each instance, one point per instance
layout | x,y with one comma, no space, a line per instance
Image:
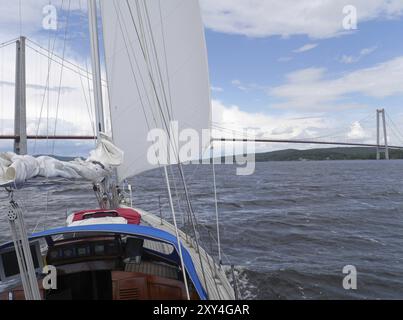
157,73
15,170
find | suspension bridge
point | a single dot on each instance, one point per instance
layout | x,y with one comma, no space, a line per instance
20,137
381,145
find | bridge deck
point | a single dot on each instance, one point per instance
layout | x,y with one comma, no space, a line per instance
350,144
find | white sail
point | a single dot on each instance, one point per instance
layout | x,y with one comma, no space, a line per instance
16,170
157,72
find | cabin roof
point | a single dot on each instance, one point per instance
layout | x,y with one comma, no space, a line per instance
144,232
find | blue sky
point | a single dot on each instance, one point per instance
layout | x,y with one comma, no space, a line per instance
258,64
328,82
266,61
287,68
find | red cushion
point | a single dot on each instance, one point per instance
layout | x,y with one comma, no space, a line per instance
132,216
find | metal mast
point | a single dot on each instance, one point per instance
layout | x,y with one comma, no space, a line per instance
96,66
20,118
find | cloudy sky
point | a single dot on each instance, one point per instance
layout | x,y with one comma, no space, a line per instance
283,69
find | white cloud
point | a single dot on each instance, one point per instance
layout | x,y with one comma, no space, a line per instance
353,59
367,51
349,59
312,89
62,148
284,59
286,126
72,100
73,115
247,87
357,132
282,131
231,121
31,16
305,48
239,85
216,89
317,19
306,75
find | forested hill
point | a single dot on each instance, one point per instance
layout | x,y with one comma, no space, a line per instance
325,154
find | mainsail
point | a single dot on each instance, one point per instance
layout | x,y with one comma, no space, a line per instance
157,73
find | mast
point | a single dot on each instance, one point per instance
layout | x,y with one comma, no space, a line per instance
20,117
96,66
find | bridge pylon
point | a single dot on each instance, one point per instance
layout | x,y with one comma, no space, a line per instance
380,114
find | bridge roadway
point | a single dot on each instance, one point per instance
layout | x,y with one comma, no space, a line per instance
349,144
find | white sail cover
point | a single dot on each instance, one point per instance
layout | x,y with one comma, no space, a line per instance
16,170
157,72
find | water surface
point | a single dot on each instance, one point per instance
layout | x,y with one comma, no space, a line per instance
290,228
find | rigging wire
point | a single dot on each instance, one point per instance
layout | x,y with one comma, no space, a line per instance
167,179
395,128
117,8
127,42
7,43
151,78
67,62
68,65
232,131
20,16
75,68
165,124
164,94
165,55
47,83
187,194
218,127
61,75
172,140
216,206
173,145
147,26
342,130
90,116
177,234
146,55
125,32
91,106
168,187
158,71
2,91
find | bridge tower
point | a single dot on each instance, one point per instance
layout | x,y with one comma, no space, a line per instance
20,125
380,114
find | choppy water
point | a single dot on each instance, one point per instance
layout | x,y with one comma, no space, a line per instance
290,228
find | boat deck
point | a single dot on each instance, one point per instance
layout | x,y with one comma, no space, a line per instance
213,278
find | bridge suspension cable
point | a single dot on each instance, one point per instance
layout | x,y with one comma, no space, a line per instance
322,139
